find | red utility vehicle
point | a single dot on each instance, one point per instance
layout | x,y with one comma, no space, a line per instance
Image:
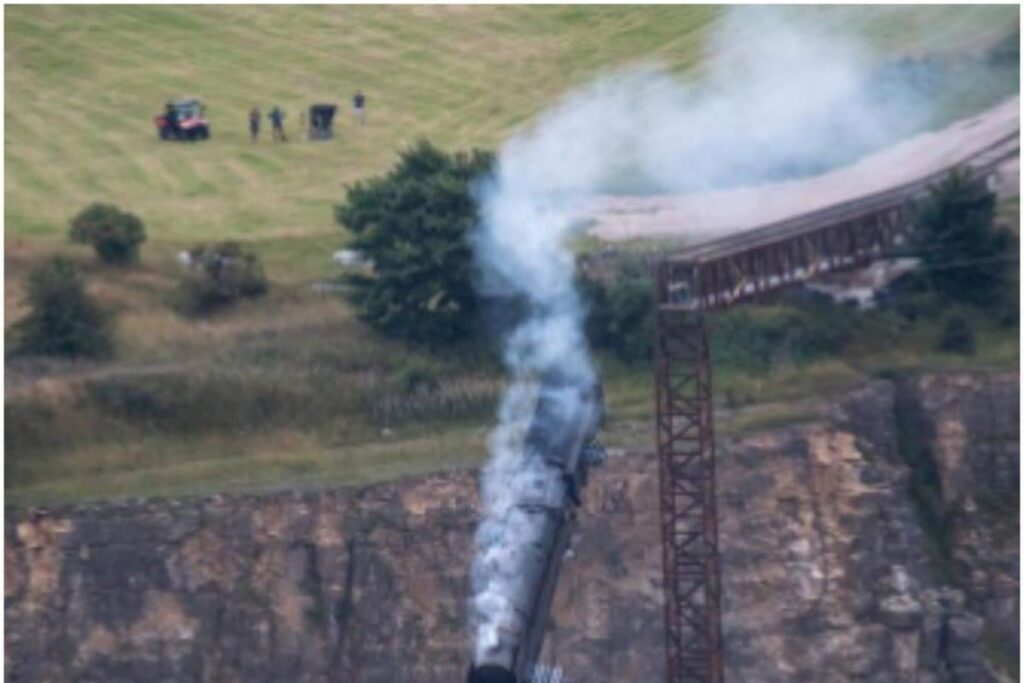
183,119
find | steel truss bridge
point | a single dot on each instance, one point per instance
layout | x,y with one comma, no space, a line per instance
712,276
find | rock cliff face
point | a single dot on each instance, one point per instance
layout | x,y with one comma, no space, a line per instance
826,568
968,429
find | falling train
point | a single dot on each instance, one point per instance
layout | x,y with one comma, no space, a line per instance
561,437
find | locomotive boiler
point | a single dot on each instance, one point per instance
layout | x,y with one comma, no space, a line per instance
560,447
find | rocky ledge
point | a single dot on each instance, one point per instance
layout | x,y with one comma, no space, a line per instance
831,569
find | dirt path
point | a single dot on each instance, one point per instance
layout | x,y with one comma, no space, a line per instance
697,217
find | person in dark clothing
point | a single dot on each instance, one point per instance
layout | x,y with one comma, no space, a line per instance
171,114
254,123
359,107
276,117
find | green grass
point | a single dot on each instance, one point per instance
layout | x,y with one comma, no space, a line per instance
83,83
326,426
160,466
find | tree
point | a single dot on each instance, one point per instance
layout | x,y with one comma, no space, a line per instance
115,234
64,320
413,224
963,254
620,315
221,274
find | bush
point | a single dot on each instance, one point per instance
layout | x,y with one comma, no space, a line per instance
115,234
64,320
913,303
820,329
756,340
957,336
413,223
963,253
621,316
620,313
742,341
220,275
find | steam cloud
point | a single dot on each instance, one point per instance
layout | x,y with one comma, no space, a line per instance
773,97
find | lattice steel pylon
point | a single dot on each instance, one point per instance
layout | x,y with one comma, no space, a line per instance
689,523
713,275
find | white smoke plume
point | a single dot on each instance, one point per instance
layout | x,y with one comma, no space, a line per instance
781,97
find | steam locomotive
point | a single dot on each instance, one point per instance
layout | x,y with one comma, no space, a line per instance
561,436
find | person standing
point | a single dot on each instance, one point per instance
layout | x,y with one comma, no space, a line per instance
276,117
359,107
254,124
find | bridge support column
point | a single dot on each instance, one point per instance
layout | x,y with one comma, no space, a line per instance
689,523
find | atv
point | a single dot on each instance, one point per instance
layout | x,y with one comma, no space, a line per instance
183,119
321,119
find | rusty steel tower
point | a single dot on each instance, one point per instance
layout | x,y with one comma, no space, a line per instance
689,522
712,276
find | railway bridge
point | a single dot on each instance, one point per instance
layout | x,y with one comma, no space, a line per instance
714,275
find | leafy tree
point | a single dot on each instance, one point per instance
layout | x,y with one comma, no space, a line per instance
221,274
963,254
115,234
64,320
620,315
413,224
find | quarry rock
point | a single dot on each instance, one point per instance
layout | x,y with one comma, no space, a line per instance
826,569
968,426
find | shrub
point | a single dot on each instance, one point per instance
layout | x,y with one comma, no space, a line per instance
912,303
207,400
220,275
413,223
64,320
957,336
742,341
756,340
620,315
819,329
963,253
114,234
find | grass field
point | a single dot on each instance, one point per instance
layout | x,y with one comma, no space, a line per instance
82,86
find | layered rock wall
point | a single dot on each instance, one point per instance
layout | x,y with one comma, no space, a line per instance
826,570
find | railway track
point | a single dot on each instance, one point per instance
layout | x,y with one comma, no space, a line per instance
723,271
980,162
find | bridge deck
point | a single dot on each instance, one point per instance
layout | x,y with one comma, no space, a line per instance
699,218
980,160
748,263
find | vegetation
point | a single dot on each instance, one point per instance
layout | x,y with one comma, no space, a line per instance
461,77
414,225
965,257
620,315
63,319
221,274
291,387
113,233
957,336
925,489
798,330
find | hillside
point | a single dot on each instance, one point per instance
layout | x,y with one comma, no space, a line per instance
292,389
83,84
